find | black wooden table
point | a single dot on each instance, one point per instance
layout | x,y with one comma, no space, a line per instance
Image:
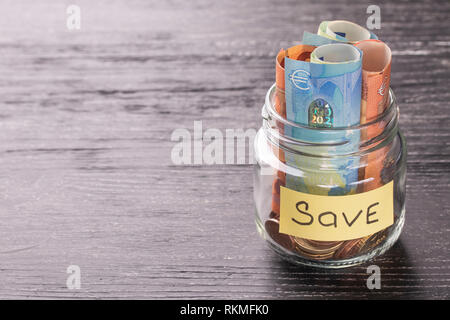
86,176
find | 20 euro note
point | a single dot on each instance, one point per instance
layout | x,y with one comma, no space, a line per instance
376,68
322,96
313,39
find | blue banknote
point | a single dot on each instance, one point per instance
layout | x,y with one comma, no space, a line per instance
336,85
323,96
313,39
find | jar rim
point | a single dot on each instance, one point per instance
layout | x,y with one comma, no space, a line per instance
358,138
269,112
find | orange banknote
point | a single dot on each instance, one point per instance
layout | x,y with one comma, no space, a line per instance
299,52
376,76
376,73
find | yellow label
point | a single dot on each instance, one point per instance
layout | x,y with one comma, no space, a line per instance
336,218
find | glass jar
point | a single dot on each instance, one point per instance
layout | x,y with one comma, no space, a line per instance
329,197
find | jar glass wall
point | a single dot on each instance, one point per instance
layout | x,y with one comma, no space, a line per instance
294,160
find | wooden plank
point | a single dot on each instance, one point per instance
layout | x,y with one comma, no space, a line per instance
86,176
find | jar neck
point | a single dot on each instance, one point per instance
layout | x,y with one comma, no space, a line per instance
343,141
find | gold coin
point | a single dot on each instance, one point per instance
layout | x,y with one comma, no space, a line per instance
350,247
314,256
374,240
311,248
323,243
330,245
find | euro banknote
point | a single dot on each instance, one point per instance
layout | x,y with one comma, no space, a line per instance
375,86
324,95
335,83
299,52
376,76
313,39
376,73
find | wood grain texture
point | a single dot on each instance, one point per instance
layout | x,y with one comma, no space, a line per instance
86,176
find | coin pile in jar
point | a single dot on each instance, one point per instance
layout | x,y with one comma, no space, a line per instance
321,250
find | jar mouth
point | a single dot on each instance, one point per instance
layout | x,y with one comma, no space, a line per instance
269,112
351,139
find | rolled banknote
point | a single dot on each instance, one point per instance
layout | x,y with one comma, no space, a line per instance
298,52
338,53
344,31
313,39
324,95
336,83
375,84
376,76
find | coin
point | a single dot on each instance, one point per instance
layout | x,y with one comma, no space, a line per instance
274,215
307,246
272,227
324,244
350,248
314,256
374,240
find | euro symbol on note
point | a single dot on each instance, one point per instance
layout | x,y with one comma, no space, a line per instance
300,79
382,88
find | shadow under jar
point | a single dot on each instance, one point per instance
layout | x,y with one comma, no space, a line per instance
329,197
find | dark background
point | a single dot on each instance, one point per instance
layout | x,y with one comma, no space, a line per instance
86,176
